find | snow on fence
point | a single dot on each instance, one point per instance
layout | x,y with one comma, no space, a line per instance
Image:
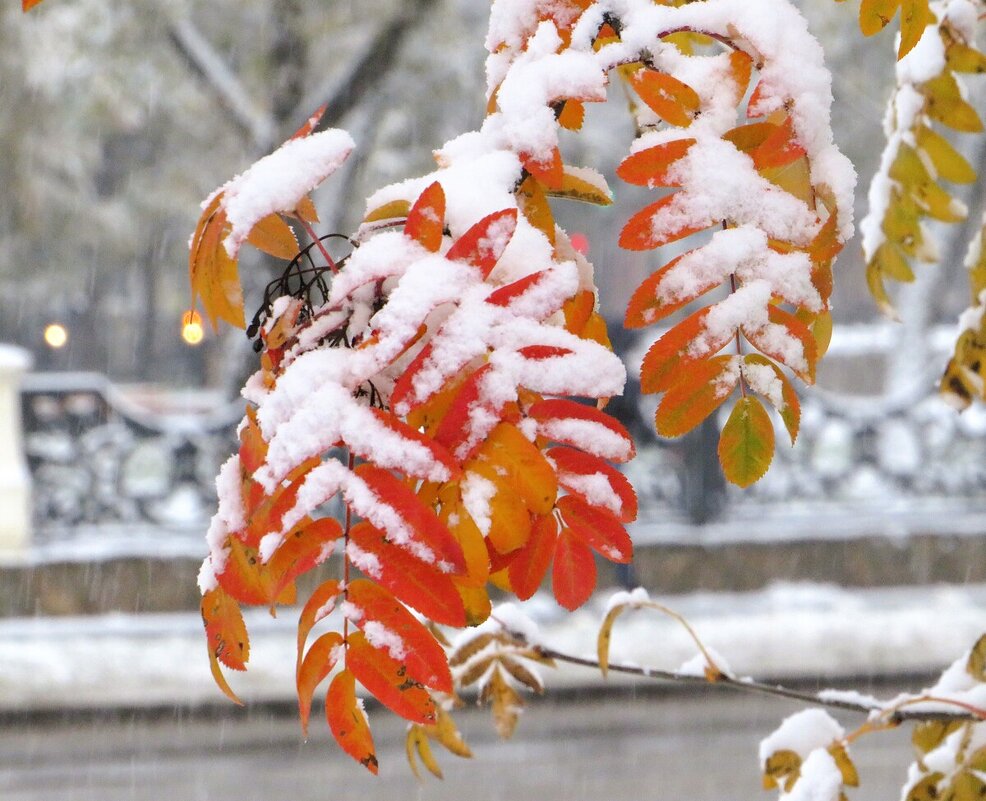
116,473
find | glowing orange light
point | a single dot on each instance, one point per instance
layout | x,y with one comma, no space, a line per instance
56,335
191,327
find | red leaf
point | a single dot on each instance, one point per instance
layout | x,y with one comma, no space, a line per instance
426,219
398,426
456,424
528,566
549,413
428,531
419,651
505,295
599,529
639,233
347,721
318,663
484,243
309,125
538,352
419,585
573,577
571,463
649,167
386,680
320,604
550,172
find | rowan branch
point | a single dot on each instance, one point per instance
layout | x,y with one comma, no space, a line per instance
894,713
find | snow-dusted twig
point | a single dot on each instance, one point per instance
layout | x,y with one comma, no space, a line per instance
893,713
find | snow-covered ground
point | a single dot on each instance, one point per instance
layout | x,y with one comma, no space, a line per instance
787,631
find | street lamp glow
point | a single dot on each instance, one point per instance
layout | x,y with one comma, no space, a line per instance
56,335
191,327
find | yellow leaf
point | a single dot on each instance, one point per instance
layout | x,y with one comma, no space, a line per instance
915,16
781,766
274,236
746,445
948,162
926,789
946,104
875,14
444,731
572,115
605,636
976,664
389,211
850,778
575,185
212,273
306,210
417,740
534,205
962,58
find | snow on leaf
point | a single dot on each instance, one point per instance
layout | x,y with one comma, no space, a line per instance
699,390
650,167
595,481
426,219
410,642
484,243
419,585
583,427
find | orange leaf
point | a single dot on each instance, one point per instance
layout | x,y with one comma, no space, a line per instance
457,422
649,167
597,528
318,663
426,219
386,680
646,305
274,236
573,464
534,204
673,101
428,531
484,243
402,635
301,550
471,540
674,351
530,565
226,636
27,5
212,273
555,410
347,721
417,584
571,117
578,310
320,604
242,577
639,233
520,463
510,520
741,66
699,390
778,149
549,172
573,576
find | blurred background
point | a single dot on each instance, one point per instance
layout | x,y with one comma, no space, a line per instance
859,559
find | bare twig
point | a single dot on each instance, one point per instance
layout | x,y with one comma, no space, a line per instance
895,713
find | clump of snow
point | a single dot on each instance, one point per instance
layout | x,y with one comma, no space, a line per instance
634,599
698,664
278,182
512,619
820,779
803,732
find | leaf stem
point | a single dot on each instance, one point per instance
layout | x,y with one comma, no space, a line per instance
345,555
318,243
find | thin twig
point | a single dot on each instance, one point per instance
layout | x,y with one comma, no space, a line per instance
896,714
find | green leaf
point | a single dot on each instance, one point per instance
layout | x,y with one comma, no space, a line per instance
746,445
